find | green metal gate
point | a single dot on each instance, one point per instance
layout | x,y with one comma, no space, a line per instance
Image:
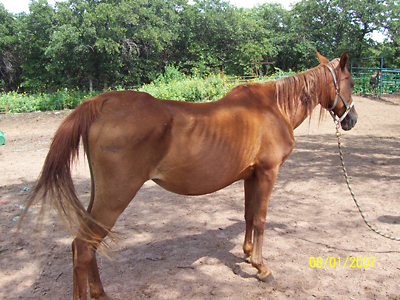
372,78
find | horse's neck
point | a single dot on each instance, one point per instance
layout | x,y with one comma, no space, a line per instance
298,95
297,112
301,114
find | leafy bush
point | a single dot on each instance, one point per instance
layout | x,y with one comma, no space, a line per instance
171,85
23,102
189,88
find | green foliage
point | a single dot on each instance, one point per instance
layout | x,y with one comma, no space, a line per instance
173,85
24,102
188,88
171,74
9,61
339,25
35,30
97,44
392,49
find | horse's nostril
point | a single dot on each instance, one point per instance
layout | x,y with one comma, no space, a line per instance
349,122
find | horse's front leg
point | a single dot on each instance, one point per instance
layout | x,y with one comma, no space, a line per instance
264,183
249,196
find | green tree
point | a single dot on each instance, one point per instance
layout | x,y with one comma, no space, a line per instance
288,50
393,23
253,43
391,48
151,38
10,61
339,25
98,44
84,44
208,37
34,35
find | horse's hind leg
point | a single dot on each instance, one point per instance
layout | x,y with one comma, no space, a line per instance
87,256
95,286
84,262
108,205
79,269
85,269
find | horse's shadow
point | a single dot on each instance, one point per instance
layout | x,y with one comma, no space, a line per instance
389,219
185,251
221,247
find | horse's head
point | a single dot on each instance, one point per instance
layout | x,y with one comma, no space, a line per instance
340,102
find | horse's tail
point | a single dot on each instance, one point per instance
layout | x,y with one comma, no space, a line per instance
55,186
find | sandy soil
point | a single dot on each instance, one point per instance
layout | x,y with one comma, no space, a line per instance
175,247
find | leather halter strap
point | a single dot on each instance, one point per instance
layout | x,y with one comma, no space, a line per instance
339,94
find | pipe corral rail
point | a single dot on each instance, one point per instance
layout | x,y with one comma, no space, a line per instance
374,79
256,75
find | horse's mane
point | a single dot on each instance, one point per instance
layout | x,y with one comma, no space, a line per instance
304,89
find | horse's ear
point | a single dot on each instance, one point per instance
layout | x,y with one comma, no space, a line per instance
322,60
344,60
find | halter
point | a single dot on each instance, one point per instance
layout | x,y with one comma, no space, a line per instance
338,93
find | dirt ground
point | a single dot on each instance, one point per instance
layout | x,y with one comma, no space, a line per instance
176,247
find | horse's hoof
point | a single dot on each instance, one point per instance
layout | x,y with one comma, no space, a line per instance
269,279
266,276
104,297
247,258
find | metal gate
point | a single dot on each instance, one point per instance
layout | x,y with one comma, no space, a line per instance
372,78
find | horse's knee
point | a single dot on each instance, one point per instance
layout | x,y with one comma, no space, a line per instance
259,224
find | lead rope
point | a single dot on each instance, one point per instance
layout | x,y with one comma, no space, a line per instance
338,134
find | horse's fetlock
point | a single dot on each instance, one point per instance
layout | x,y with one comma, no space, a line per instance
248,248
96,293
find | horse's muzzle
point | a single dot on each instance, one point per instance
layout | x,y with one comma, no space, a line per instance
351,119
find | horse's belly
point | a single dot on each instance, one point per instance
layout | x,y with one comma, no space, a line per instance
189,188
200,179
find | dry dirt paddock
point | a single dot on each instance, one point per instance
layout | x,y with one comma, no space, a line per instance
176,247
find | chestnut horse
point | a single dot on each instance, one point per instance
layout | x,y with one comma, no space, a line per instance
187,148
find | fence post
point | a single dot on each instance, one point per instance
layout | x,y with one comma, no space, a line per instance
4,110
381,79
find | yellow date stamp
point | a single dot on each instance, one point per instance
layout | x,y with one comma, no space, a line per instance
342,262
